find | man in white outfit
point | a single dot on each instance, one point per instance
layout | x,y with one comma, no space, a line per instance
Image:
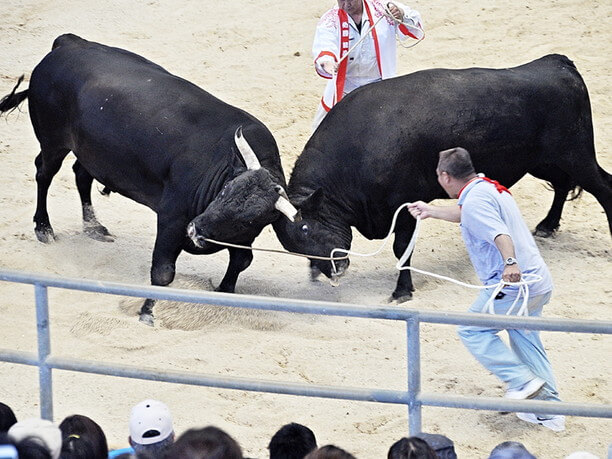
374,59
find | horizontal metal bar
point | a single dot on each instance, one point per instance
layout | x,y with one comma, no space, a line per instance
321,391
195,379
504,404
311,307
26,358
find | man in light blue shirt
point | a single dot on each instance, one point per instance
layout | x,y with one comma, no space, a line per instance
501,248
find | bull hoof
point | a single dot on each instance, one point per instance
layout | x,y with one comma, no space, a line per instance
147,319
542,232
398,298
99,233
45,234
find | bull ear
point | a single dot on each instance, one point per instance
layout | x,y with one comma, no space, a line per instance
250,159
312,202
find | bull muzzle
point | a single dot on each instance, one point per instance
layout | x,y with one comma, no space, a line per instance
196,238
334,275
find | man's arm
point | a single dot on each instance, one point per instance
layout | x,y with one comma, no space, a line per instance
424,210
412,24
325,50
504,244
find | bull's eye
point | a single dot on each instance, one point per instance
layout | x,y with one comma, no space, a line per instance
305,229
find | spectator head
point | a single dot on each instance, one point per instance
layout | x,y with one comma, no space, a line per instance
27,448
442,445
44,432
7,417
411,448
329,452
511,450
207,443
292,441
82,438
151,428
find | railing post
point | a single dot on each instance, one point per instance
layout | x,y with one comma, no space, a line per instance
414,374
44,349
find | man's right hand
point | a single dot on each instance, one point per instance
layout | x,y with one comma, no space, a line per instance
419,209
330,67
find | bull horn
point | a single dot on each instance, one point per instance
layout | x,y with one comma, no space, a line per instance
251,161
286,208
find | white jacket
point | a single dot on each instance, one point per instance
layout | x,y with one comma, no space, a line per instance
373,59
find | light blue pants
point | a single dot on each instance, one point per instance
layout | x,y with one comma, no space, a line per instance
524,359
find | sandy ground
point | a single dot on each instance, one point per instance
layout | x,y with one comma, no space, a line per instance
256,54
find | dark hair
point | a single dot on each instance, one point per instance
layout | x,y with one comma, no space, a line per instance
27,448
7,417
207,443
329,452
442,445
76,447
510,450
292,441
81,435
411,448
456,162
153,449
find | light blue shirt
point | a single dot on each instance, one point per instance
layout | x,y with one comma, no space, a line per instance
485,214
117,452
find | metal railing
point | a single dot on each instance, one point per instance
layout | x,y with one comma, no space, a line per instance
413,398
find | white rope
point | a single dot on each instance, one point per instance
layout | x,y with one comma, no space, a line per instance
283,252
523,284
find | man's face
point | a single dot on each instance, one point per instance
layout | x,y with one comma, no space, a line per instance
350,6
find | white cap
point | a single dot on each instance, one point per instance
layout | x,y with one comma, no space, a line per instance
41,430
150,422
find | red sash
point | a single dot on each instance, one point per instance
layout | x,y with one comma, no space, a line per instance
374,36
498,186
344,47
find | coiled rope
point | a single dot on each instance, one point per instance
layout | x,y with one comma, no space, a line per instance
523,285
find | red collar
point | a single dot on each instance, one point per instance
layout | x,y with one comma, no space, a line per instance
498,186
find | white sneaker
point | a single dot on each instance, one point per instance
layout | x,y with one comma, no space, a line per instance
527,390
555,422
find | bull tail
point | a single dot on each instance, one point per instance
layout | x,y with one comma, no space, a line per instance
12,100
575,193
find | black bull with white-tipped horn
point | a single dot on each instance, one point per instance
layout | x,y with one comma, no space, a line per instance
378,148
159,140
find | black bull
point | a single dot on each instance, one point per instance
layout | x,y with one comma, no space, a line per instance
378,148
159,140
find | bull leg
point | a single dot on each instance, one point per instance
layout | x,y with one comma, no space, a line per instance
403,233
171,235
48,163
91,225
240,259
562,184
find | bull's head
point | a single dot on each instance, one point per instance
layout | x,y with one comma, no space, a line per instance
317,230
247,203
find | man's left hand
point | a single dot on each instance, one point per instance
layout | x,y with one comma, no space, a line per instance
511,273
397,13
